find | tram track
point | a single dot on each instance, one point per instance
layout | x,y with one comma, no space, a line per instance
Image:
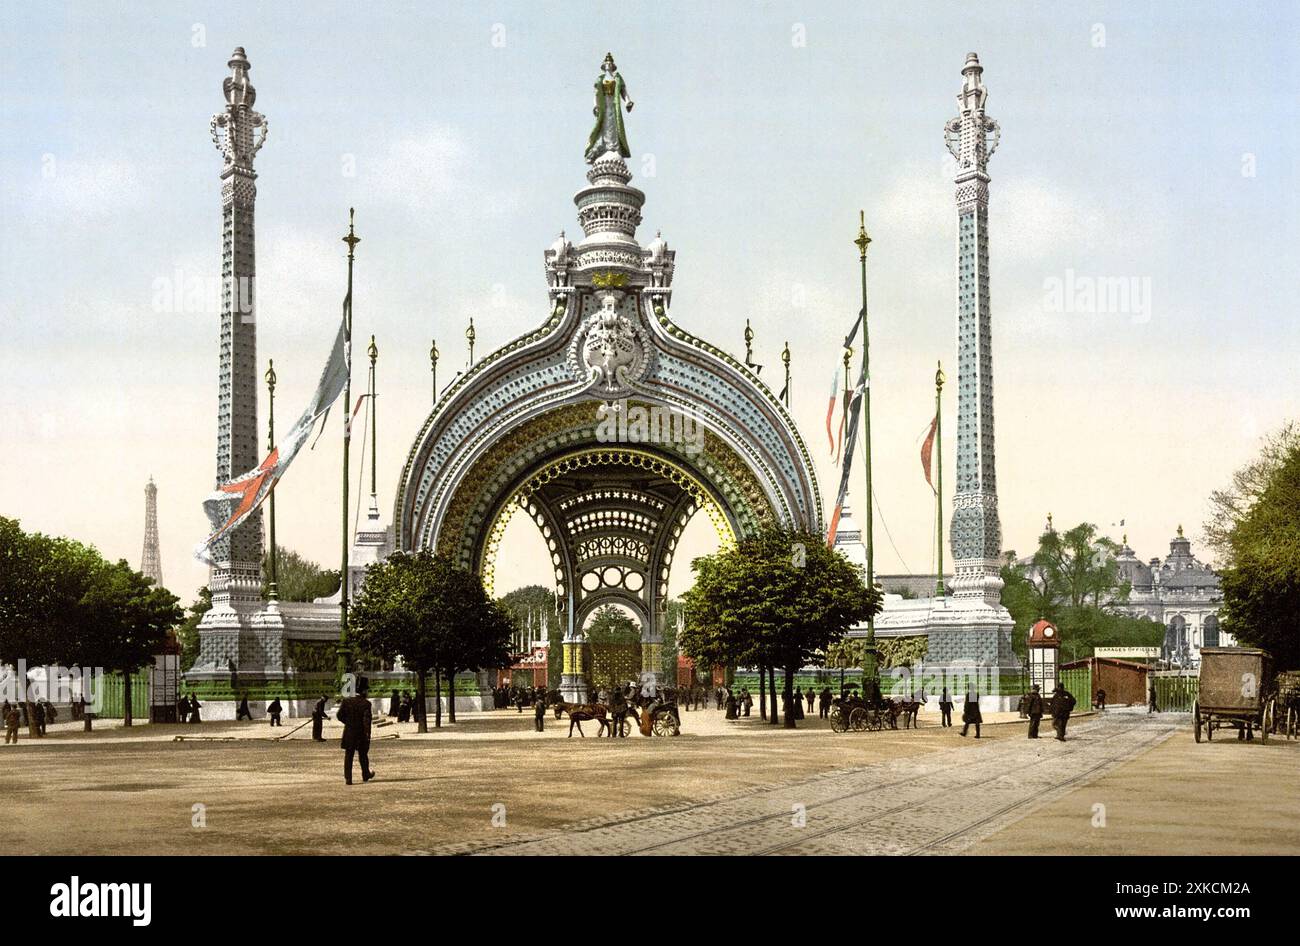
866,791
1017,803
746,824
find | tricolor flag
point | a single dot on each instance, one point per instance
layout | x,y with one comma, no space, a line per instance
926,449
835,387
846,466
235,501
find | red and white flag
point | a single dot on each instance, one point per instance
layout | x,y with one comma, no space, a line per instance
927,448
235,501
846,465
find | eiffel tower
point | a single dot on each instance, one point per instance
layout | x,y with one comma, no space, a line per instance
151,559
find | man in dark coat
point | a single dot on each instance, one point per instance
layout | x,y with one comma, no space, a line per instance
355,715
243,712
945,708
1062,704
970,713
824,703
182,709
539,712
274,711
195,706
318,720
1034,710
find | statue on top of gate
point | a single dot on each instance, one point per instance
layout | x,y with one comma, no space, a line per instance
608,134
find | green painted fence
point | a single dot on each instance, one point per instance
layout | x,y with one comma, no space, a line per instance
113,703
1176,693
1078,680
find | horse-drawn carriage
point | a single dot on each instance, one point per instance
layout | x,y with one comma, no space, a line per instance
1236,690
657,717
1286,716
852,711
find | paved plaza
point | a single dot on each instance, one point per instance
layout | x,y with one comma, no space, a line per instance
490,785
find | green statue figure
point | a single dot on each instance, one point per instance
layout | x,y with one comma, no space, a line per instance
608,135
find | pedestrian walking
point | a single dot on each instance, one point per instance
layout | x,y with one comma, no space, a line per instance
318,720
945,708
11,720
243,712
539,713
1034,710
355,715
970,713
1151,707
1062,705
274,711
195,706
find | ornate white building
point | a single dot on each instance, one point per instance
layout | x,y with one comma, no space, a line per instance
1182,593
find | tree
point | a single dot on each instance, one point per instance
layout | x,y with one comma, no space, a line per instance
532,603
775,599
187,632
1254,528
435,616
42,580
1079,566
611,625
1074,582
298,578
125,620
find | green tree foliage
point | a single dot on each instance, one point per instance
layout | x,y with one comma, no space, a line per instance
187,632
298,578
538,602
62,603
125,620
612,625
435,616
776,599
42,580
1074,582
1254,528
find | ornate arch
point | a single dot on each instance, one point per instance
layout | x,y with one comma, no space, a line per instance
609,425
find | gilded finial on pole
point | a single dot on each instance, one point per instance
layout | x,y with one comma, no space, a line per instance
470,335
862,240
352,239
939,377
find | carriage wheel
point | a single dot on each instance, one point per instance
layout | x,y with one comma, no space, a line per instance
858,719
837,720
665,725
1268,721
876,720
1196,719
625,727
1291,722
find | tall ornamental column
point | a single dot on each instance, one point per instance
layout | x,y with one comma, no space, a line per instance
972,137
238,133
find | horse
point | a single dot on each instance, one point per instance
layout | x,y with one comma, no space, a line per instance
583,712
906,709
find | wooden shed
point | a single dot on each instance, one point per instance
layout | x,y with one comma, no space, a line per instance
1124,681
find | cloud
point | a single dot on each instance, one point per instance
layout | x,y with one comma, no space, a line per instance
59,187
435,169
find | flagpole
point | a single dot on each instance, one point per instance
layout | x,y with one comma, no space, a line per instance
373,352
938,495
274,587
870,671
344,651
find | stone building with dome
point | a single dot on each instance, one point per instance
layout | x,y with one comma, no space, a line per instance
1180,592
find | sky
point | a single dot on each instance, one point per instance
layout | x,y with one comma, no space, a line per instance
1153,144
